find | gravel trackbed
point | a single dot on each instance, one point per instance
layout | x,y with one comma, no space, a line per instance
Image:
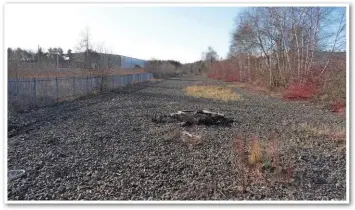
106,147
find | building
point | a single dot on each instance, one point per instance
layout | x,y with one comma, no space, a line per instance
103,60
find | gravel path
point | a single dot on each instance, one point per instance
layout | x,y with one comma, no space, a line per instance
106,147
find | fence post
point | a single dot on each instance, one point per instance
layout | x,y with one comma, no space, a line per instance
113,82
101,83
74,86
17,82
56,84
87,85
34,91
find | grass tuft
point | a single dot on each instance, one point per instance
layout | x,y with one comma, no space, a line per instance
263,164
213,92
255,156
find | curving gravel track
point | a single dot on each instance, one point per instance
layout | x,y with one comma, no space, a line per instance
106,147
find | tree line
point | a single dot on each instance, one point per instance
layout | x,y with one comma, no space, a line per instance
41,55
281,45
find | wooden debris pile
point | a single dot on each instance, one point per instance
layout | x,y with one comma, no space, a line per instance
189,118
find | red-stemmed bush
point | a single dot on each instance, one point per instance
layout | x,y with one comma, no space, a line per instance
232,77
301,91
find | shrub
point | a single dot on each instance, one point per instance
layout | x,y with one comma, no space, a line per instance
232,77
218,70
301,91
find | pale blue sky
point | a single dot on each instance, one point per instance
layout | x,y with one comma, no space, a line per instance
178,33
143,31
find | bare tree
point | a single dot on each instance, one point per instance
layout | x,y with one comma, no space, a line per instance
104,64
283,42
337,39
85,40
85,44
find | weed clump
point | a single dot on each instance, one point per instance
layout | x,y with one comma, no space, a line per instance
213,92
263,163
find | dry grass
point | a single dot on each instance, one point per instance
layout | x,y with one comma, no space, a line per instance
255,156
256,88
237,85
336,133
263,164
213,92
